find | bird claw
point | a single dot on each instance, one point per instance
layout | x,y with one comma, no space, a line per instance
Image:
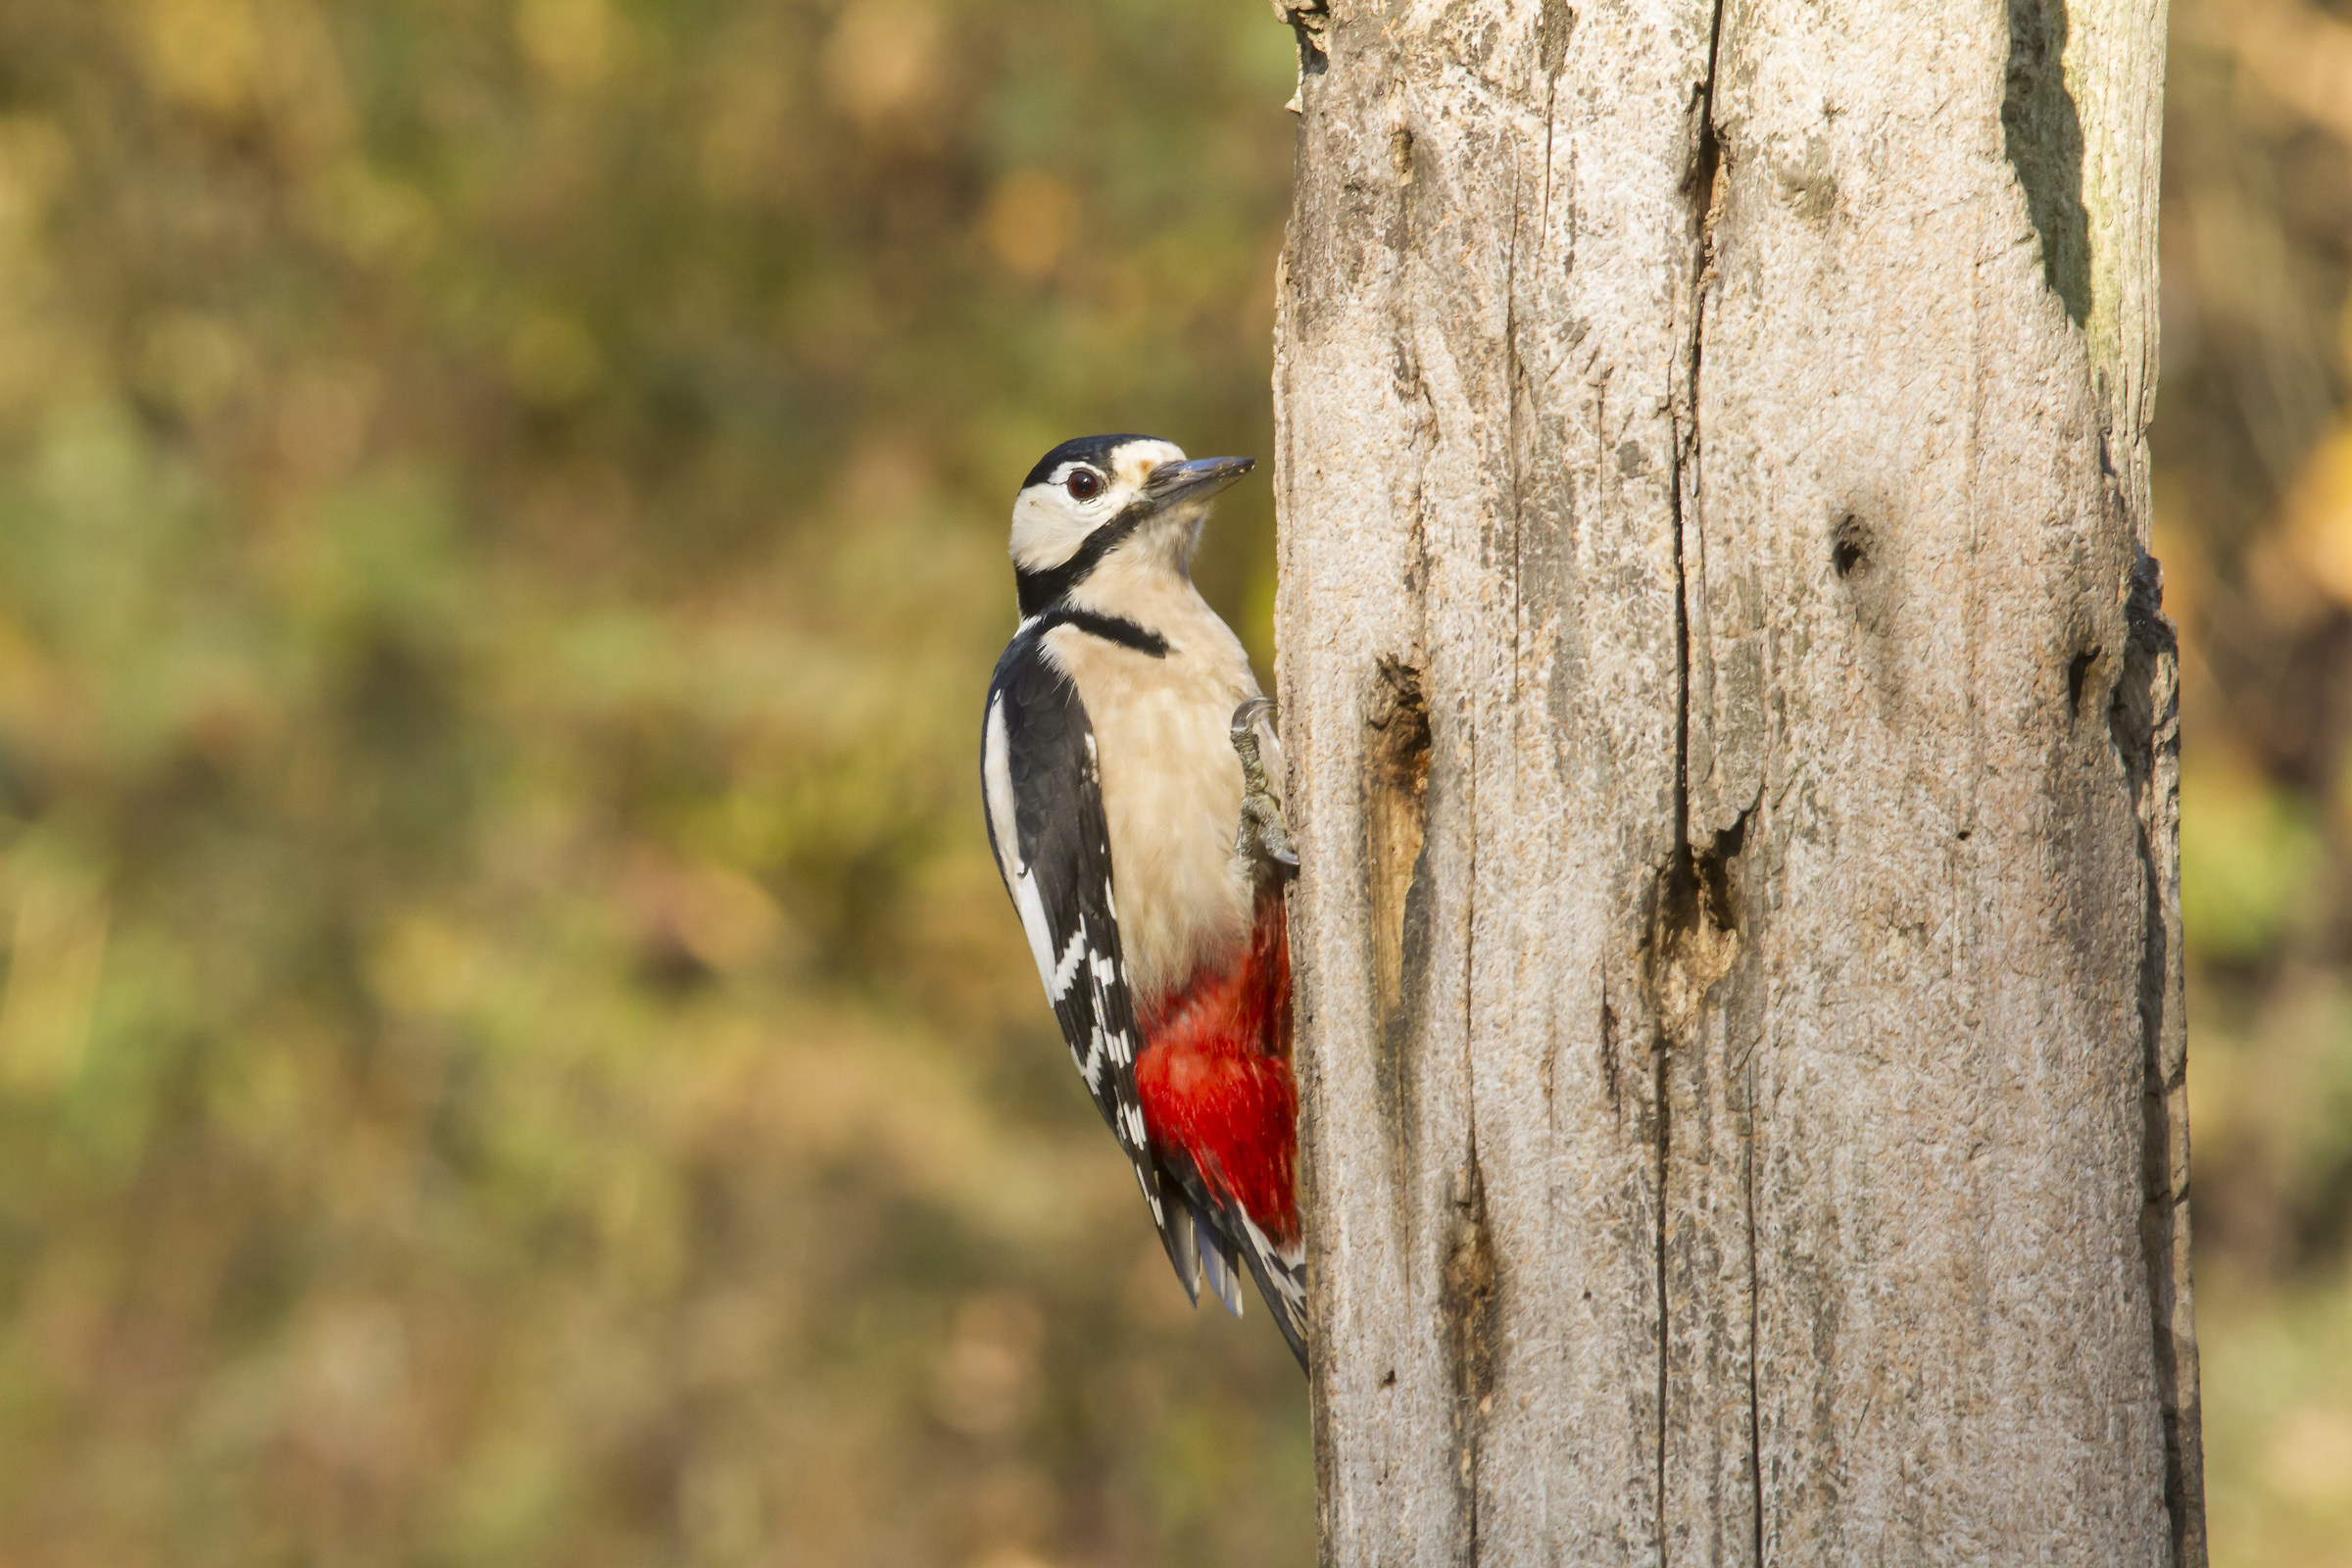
1245,731
1262,837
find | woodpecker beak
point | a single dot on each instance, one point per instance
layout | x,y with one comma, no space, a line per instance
1194,480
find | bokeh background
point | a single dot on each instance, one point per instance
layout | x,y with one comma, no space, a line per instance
512,1050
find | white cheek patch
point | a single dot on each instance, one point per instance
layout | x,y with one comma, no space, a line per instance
1047,527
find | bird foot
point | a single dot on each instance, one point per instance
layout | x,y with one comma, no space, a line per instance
1262,839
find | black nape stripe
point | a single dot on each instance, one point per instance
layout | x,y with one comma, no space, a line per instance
1111,628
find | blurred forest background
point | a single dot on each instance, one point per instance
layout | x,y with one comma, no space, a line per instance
512,1050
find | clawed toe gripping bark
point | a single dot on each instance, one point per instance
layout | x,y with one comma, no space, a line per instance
1261,836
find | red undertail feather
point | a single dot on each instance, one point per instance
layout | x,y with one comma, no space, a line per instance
1214,1076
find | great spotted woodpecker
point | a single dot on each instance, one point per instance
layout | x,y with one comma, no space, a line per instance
1125,770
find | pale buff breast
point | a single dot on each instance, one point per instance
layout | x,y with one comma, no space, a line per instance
1171,783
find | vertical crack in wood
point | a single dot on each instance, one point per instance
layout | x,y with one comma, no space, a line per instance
1660,1048
2143,722
1552,53
1669,912
1514,370
1396,755
1698,894
1473,1313
1755,1403
1472,1305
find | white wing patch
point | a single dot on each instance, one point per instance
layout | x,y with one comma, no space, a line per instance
1057,984
1033,921
1104,974
996,774
995,781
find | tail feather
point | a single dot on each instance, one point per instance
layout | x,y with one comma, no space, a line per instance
1185,1250
1223,1232
1217,1263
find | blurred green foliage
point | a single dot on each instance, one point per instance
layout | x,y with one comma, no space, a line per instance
512,1050
2254,524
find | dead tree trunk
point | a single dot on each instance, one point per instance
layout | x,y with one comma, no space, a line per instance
1731,730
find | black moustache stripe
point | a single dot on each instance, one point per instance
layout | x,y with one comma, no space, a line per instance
1039,590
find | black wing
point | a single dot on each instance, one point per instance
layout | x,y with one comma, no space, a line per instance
1042,785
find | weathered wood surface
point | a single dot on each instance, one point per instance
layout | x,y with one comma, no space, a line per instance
1731,742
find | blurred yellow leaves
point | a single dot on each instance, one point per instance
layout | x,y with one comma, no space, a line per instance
427,968
1011,1558
711,916
371,216
347,1386
57,924
575,43
714,914
324,418
2250,852
192,360
2294,51
749,143
36,163
34,695
2319,517
34,160
1029,222
985,1379
1013,1504
203,53
882,61
2311,1456
235,60
551,358
2277,1384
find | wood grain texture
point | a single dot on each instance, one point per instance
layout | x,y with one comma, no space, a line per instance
1733,751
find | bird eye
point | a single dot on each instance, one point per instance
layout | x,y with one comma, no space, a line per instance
1084,484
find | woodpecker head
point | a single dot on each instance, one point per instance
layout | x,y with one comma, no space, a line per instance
1100,497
